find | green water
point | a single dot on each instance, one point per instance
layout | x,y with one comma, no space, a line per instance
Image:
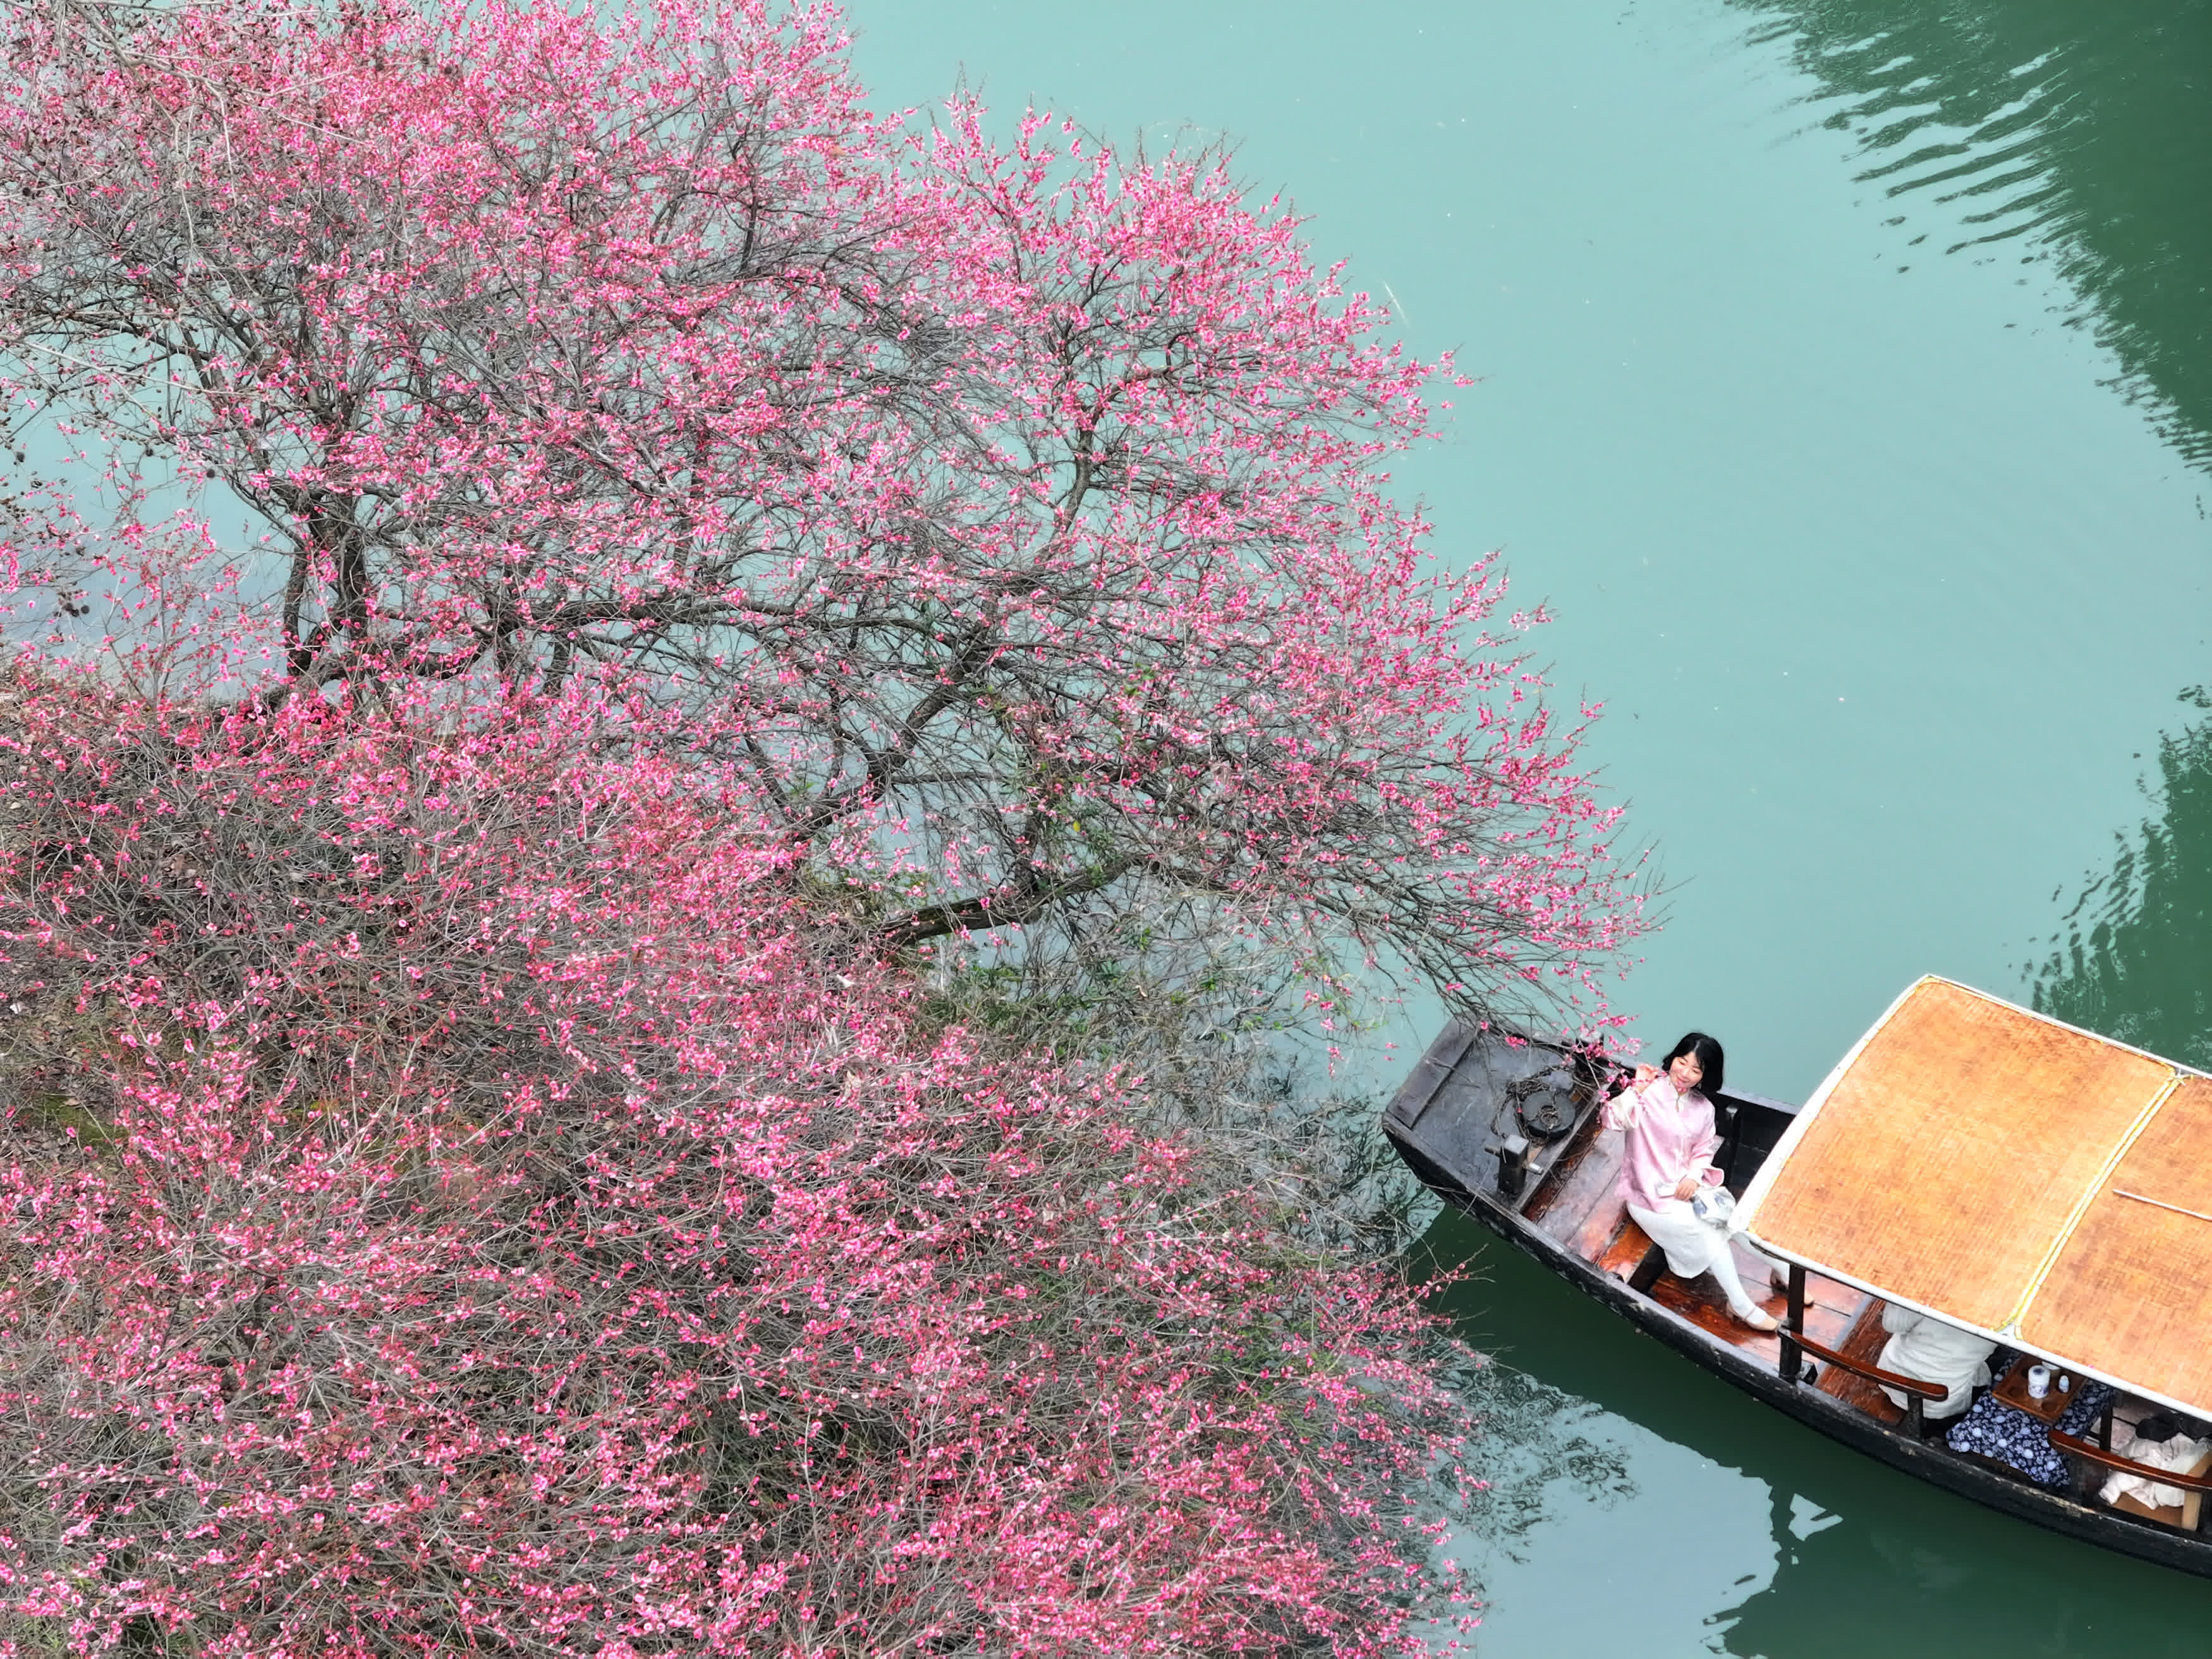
1847,391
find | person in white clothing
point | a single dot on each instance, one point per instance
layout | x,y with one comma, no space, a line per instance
2160,1440
1921,1346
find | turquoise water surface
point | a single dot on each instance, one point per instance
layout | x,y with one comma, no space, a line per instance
1846,390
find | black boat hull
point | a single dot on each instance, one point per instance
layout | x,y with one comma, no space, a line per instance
2059,1513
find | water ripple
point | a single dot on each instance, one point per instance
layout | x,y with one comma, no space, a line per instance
2081,134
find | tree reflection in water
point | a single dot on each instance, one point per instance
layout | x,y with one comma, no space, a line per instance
2134,958
2081,134
1541,1447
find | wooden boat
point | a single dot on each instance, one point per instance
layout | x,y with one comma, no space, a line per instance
2037,1185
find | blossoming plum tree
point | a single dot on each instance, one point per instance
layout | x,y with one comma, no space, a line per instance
720,544
1014,517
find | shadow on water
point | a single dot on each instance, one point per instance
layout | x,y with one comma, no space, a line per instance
2078,133
2134,958
1865,1559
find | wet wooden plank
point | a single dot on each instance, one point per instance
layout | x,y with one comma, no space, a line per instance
1602,1226
1700,1302
1625,1248
1833,1311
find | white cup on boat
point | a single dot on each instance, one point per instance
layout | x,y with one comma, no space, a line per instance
2039,1382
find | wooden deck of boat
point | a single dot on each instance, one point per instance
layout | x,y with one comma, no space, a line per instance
1577,1204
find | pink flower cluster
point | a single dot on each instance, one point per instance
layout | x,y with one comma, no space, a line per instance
521,1224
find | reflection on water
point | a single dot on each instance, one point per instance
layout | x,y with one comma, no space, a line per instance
2044,128
2135,960
1540,1447
1863,1583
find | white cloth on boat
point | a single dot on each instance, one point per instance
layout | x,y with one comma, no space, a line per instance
2179,1453
1695,1247
1934,1351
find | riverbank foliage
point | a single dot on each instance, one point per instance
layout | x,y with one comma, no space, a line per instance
511,1155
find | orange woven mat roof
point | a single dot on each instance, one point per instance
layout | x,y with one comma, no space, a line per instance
2017,1177
2130,1292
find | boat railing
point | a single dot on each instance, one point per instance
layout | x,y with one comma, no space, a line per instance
2089,1449
1795,1344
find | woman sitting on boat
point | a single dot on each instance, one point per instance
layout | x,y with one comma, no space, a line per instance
1668,1121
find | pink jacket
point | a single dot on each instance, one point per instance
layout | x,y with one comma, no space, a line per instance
1670,1135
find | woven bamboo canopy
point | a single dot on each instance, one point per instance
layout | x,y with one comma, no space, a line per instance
2044,1187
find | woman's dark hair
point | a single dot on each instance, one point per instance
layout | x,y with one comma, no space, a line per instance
1707,1053
2157,1426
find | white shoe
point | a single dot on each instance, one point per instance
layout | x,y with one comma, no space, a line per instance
1758,1318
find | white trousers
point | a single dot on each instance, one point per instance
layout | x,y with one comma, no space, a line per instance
1695,1247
